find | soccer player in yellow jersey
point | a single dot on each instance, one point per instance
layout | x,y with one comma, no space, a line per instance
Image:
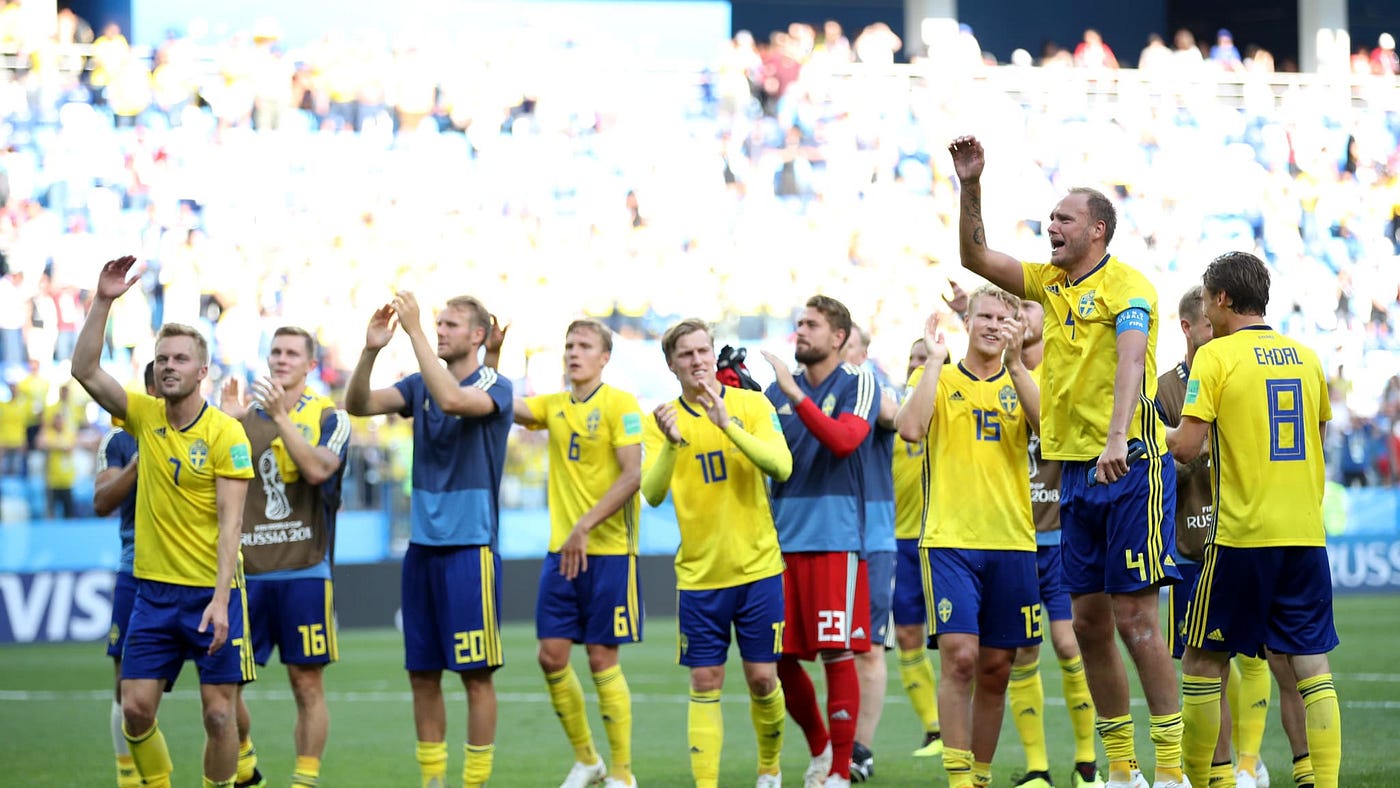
978,541
713,448
1116,516
589,589
910,616
1265,581
193,470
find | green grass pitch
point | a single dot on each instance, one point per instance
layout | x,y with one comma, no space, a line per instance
54,702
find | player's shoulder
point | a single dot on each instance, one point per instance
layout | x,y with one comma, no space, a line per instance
116,439
619,399
735,398
1120,274
487,378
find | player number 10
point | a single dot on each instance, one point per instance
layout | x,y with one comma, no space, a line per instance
712,466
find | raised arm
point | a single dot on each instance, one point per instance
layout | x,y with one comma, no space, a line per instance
656,480
450,395
768,451
889,408
916,413
360,400
999,268
1026,389
841,434
494,340
316,464
87,352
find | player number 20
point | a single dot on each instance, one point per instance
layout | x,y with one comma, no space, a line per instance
471,646
831,625
1031,615
313,639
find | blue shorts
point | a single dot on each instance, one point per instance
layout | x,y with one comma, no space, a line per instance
909,586
1118,537
602,605
297,616
123,597
880,569
1054,599
450,612
754,610
163,632
1248,598
1179,599
989,593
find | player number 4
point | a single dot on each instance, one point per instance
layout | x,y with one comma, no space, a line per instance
1135,561
313,639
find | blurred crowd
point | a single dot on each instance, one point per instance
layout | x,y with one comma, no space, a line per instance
262,185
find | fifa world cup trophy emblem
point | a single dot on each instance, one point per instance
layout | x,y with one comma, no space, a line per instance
278,507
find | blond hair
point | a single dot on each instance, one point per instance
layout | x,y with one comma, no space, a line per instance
688,326
992,291
596,326
181,330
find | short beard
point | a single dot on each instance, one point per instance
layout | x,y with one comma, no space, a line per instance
810,356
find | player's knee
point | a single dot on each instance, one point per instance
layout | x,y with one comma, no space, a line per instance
552,660
763,685
137,715
307,686
993,674
708,679
909,637
218,718
959,664
1025,655
601,658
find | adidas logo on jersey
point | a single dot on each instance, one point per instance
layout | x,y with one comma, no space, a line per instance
160,431
1215,634
858,634
841,714
957,396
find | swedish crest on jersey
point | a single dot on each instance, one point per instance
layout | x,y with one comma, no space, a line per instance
829,404
595,418
945,609
1086,304
1008,399
198,453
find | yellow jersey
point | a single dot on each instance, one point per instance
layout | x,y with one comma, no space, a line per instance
1081,357
721,498
177,517
1265,397
908,470
583,438
976,464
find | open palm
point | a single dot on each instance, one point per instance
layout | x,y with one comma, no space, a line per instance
113,281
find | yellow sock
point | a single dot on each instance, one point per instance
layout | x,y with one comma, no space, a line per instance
1166,740
151,756
1081,708
247,760
705,731
1200,709
1222,775
432,762
981,774
127,776
1027,696
1303,770
958,765
916,673
1117,735
1250,710
1324,728
615,704
211,783
480,759
566,693
769,717
307,772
